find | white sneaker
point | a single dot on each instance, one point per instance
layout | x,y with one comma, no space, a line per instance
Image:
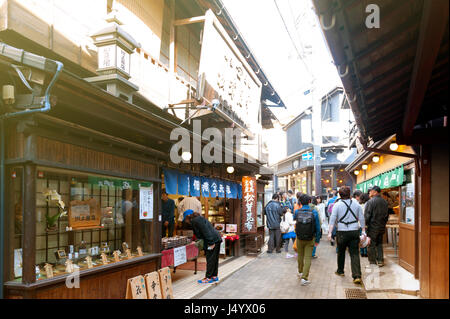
305,282
289,255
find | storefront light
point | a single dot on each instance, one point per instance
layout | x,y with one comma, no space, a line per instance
230,169
356,172
393,146
365,166
376,159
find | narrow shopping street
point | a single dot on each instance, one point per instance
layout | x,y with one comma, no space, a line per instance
273,276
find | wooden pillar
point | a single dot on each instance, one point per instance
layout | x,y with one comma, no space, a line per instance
424,220
29,225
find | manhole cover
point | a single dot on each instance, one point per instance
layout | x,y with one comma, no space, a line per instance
355,294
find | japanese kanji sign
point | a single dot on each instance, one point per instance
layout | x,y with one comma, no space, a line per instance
179,255
248,215
84,214
153,285
146,202
165,281
136,288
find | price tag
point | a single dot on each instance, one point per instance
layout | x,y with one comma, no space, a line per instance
49,270
69,266
139,250
89,262
104,259
116,256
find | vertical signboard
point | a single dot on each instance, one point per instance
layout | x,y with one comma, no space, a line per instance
248,216
146,202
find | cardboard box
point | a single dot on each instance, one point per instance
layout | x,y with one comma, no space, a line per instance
153,285
165,280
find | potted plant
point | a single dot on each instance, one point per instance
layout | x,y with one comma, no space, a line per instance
52,195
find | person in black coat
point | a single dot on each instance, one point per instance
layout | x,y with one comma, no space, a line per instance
204,230
376,216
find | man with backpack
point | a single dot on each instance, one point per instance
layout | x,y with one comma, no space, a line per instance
348,215
307,230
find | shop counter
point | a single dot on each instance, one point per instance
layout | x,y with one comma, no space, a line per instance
168,258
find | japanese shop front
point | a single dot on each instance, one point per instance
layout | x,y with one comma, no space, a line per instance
396,178
79,159
223,204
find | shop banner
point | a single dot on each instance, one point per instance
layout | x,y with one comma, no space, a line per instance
170,181
221,188
393,178
146,202
239,191
228,191
205,186
234,192
195,186
183,184
179,256
213,187
248,216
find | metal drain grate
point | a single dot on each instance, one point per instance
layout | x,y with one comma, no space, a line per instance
355,294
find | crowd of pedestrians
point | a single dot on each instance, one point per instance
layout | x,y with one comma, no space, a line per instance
352,222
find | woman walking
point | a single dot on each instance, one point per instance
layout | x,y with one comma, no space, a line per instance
289,235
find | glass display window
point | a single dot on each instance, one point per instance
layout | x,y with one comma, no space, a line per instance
80,215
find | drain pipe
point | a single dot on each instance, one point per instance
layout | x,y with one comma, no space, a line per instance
46,107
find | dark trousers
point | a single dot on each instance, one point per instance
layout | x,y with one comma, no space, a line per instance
375,250
348,239
274,240
170,227
212,261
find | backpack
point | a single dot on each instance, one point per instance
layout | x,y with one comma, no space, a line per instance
305,226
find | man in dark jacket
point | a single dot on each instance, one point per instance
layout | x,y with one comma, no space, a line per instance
211,242
273,212
376,216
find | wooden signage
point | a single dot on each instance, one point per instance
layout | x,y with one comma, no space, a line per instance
226,75
139,251
116,255
165,280
248,217
128,252
84,214
153,285
104,259
136,288
48,270
89,262
69,266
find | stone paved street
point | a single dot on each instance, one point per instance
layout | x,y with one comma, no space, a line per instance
273,276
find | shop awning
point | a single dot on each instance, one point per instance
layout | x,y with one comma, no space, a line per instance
185,184
392,178
395,76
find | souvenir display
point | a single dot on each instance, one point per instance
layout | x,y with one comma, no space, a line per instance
172,242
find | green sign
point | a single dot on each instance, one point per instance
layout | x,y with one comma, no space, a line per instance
389,179
115,182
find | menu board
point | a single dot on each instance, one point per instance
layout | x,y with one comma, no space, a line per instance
146,202
179,256
248,217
